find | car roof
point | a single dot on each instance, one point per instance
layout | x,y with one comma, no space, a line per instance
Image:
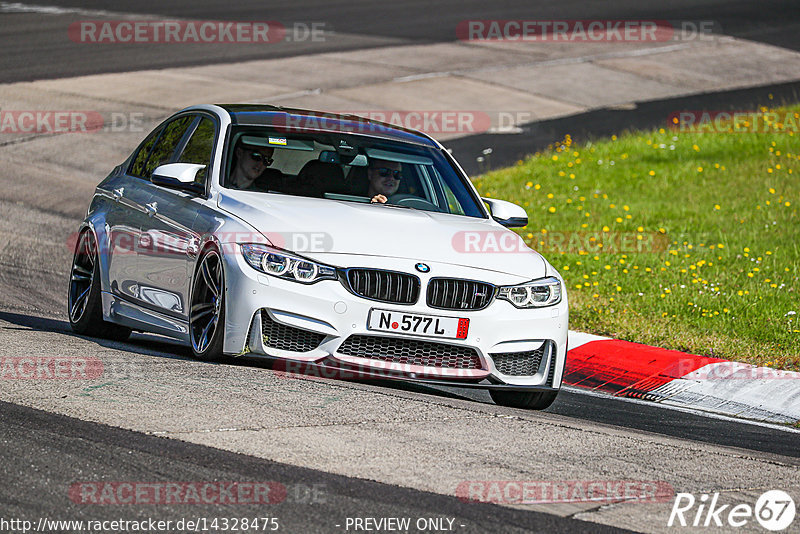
306,120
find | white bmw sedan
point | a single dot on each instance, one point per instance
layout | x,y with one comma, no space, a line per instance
319,240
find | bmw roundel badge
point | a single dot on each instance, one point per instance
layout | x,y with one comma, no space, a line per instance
421,267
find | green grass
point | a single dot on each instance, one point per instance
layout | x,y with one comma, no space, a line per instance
725,281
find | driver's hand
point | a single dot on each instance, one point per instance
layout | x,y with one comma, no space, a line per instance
379,198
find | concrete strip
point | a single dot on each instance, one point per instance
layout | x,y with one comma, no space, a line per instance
562,82
684,380
726,64
524,81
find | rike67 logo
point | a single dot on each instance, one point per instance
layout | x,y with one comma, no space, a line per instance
774,510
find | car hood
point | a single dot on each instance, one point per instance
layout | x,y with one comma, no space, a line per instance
321,228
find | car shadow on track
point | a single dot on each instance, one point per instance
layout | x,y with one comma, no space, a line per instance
149,344
155,345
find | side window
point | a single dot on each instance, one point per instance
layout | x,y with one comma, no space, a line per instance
166,144
137,167
198,149
452,202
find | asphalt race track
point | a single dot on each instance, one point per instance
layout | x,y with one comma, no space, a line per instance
371,449
34,48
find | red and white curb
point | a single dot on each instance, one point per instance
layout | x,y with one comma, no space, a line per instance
626,369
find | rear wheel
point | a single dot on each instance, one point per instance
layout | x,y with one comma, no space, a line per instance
532,400
84,306
207,311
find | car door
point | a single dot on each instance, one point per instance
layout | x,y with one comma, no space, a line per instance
124,217
168,245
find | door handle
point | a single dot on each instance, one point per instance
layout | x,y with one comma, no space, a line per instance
151,208
117,193
193,247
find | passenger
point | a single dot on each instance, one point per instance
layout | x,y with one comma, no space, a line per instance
251,163
384,179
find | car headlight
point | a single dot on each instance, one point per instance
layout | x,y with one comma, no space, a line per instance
282,264
536,294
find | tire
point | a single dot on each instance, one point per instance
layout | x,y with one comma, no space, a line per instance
207,308
532,400
84,304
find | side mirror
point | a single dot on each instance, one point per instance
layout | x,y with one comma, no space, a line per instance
179,176
506,213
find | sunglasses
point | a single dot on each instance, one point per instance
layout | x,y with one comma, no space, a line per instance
258,156
383,172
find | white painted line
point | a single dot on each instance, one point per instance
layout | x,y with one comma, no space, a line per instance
18,7
576,339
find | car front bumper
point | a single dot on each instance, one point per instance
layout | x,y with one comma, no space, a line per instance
328,310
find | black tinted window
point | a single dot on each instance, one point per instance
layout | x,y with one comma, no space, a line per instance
198,149
137,167
165,146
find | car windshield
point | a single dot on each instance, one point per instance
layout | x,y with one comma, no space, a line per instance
344,167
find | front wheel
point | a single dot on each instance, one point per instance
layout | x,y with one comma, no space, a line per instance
207,311
532,400
84,304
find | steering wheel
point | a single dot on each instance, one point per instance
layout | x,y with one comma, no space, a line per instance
412,201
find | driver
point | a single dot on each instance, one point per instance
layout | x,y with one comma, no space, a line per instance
251,164
384,179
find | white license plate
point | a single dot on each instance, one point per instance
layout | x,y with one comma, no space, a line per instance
413,323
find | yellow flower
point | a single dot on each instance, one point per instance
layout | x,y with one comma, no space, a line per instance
551,209
717,207
652,173
529,185
606,228
699,169
555,157
697,148
537,187
549,195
